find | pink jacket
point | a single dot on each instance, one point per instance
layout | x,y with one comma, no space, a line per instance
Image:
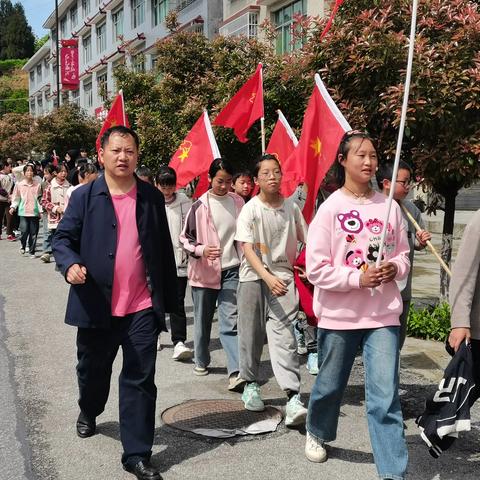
198,232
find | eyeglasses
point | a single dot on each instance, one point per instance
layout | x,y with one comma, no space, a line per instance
405,183
276,174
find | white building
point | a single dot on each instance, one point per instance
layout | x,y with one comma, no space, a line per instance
115,32
109,33
242,17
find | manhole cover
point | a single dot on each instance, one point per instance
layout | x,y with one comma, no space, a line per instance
221,418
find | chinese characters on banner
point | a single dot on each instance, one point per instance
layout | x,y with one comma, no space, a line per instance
69,64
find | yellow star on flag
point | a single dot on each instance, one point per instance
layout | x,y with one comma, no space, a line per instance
316,145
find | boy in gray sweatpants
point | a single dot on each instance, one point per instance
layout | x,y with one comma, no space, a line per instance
269,228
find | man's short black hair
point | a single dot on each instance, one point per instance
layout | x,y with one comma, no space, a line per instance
385,171
121,130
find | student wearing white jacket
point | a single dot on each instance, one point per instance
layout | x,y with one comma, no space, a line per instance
177,205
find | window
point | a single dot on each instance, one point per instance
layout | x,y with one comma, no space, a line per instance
87,90
159,9
101,37
117,23
87,49
63,27
76,97
85,7
138,63
32,77
73,15
102,85
32,107
40,105
283,20
39,72
138,12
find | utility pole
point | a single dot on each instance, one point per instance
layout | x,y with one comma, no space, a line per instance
57,42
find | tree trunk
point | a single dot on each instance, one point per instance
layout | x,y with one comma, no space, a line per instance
447,239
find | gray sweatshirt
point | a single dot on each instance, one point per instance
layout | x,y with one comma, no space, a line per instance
465,283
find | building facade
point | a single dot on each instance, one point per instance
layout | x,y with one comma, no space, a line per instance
111,33
243,17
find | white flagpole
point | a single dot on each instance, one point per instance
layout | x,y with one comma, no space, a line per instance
120,92
262,119
288,128
211,136
402,127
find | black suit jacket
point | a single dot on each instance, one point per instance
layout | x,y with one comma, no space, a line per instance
87,235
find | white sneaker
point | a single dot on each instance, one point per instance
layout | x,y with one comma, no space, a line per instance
159,345
315,449
295,412
181,352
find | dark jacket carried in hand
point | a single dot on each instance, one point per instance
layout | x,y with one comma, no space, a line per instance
447,412
87,235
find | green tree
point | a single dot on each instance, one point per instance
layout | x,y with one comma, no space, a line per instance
65,128
16,37
363,61
41,41
15,135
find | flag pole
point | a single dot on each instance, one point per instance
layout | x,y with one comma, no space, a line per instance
262,126
262,118
428,242
402,127
120,92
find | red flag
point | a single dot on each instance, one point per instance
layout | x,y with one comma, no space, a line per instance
116,116
244,108
282,143
323,128
330,20
202,185
196,152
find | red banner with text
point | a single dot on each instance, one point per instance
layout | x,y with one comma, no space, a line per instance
69,64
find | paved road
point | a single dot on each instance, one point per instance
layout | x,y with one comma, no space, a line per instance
38,405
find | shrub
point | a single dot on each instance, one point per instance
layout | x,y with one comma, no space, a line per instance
430,323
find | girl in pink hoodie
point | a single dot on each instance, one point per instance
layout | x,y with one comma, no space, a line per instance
357,306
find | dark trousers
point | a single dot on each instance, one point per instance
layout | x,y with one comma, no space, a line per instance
29,229
4,213
96,350
178,321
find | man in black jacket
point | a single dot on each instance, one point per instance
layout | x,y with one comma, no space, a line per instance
113,246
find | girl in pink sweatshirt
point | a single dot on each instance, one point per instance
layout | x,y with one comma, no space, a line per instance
357,306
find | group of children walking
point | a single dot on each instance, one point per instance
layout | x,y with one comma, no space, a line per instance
248,258
39,195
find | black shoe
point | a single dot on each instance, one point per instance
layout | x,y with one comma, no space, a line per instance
85,426
143,470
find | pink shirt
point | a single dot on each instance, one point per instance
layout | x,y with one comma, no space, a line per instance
343,241
130,292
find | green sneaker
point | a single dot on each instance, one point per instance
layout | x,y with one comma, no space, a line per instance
251,397
295,412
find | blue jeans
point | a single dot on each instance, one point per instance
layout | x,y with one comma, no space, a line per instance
204,300
336,352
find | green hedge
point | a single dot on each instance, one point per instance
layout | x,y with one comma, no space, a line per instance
431,323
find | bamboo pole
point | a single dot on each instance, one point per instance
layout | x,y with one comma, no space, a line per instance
429,243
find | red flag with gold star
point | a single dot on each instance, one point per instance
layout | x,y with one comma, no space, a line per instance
195,154
116,116
282,143
322,130
245,108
